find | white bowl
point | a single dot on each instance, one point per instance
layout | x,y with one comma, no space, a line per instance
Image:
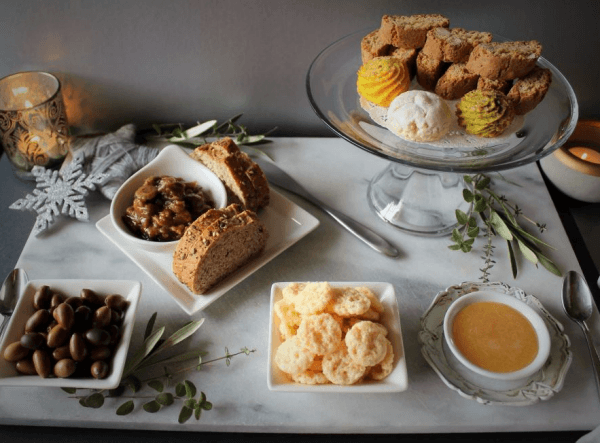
488,379
131,290
175,162
573,176
397,381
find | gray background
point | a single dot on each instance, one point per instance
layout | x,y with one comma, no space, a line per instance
182,61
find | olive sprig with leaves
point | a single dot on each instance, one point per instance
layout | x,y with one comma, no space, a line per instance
146,357
499,218
202,133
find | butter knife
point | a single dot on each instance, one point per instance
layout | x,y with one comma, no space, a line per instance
279,177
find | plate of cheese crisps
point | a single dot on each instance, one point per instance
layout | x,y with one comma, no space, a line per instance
337,337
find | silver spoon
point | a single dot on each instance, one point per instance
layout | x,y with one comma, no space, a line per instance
577,302
9,294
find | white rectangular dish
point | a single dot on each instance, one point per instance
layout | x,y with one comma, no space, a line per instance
130,290
396,381
286,223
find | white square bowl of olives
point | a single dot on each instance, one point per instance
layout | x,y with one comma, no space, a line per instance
70,333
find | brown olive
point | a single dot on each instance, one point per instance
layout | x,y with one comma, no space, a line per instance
51,325
97,337
102,317
57,299
64,315
116,302
75,302
77,347
42,297
42,363
99,369
57,336
15,352
38,321
64,368
117,317
90,298
100,353
32,340
83,318
61,352
115,334
26,367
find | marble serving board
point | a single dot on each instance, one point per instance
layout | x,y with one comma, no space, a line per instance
338,173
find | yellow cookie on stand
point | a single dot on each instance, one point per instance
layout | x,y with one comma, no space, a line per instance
382,79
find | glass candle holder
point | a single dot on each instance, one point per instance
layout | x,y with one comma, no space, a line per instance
33,121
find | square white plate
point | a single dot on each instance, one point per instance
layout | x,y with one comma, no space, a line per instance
286,222
131,290
397,381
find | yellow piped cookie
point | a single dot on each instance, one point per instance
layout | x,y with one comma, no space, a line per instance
382,79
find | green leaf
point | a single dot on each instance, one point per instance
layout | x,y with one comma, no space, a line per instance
513,260
185,414
197,412
454,247
133,383
207,406
465,247
468,179
527,253
126,408
461,217
190,403
150,325
95,400
146,348
532,237
500,226
472,222
456,235
165,399
197,353
180,390
156,385
69,390
473,232
152,406
178,336
548,264
82,402
481,205
483,183
468,195
190,389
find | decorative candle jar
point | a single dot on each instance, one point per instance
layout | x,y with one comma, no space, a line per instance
33,121
574,168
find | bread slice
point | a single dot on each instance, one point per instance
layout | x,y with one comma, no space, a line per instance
529,91
408,56
496,85
453,45
245,182
216,244
410,31
456,82
505,60
371,46
429,71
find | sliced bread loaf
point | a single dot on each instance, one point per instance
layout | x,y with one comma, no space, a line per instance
529,91
216,244
504,60
245,182
409,31
453,45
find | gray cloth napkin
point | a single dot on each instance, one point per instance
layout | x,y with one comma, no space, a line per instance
116,154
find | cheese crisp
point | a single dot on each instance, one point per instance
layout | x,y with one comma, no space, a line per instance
332,335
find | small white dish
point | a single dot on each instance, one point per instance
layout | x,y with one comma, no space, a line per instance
131,290
397,381
174,162
286,222
540,386
485,378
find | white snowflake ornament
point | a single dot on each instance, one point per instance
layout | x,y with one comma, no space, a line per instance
53,190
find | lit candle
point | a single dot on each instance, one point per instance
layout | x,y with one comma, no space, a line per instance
587,154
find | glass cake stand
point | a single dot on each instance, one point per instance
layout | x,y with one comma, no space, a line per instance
421,187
